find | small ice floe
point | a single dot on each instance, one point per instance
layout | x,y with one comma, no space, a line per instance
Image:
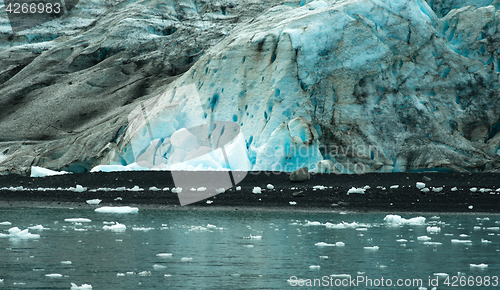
320,187
120,274
5,223
454,188
425,190
158,267
342,225
433,229
456,241
340,244
166,189
483,241
432,243
42,172
256,190
154,188
464,235
442,274
37,227
117,209
493,228
270,186
397,220
78,220
95,201
473,189
420,185
437,189
374,248
477,228
314,267
401,241
177,189
17,233
253,237
201,189
356,190
83,287
136,188
142,229
78,188
366,187
292,202
220,190
238,188
66,262
483,190
424,238
309,223
118,227
186,259
144,273
479,266
164,255
323,244
323,257
167,275
394,186
471,207
54,275
210,201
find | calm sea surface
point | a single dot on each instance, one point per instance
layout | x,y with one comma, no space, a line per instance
230,249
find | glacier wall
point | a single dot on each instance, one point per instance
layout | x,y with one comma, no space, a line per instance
343,86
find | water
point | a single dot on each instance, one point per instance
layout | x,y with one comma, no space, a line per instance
232,256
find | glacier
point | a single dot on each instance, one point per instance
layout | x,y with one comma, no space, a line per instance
344,86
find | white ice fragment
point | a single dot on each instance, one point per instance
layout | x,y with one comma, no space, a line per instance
83,287
42,172
437,189
340,244
95,201
254,237
493,228
120,274
425,190
424,238
366,187
454,188
398,220
118,227
78,188
164,255
136,188
323,257
309,223
292,202
186,259
142,229
374,248
177,189
480,266
78,220
118,198
159,267
456,241
37,227
17,233
66,262
420,185
144,273
432,243
401,241
323,244
321,187
5,223
201,188
270,186
314,267
220,190
485,241
54,275
117,209
256,190
464,236
433,229
210,201
394,186
356,190
238,188
471,206
473,189
154,188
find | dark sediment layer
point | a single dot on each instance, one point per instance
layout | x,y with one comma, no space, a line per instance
405,198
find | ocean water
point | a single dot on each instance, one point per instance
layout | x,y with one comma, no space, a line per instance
229,249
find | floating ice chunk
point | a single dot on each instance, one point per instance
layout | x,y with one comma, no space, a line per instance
210,201
115,228
164,255
256,190
120,274
309,223
479,266
464,236
374,248
420,185
83,287
323,244
186,259
37,227
144,273
401,241
117,209
270,186
42,172
366,187
314,267
437,189
425,190
340,276
471,206
456,241
442,274
493,228
454,188
473,189
342,225
95,201
238,188
220,190
78,220
17,233
201,188
321,187
394,186
143,229
485,241
177,189
398,220
55,275
356,190
254,237
323,257
292,202
432,243
118,198
159,267
477,228
66,262
154,188
340,244
5,223
136,188
78,188
424,238
433,229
